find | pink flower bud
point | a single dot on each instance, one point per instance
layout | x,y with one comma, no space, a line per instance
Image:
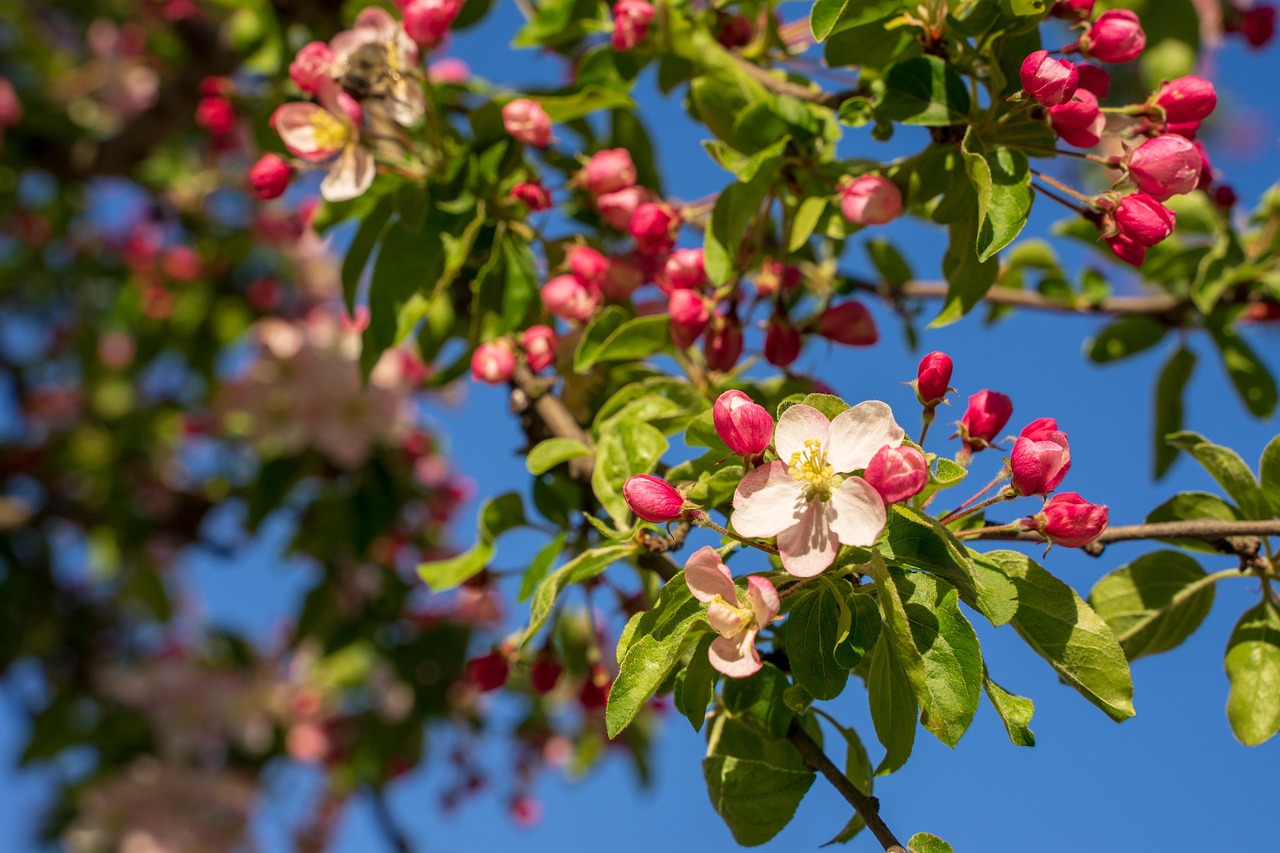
849,323
533,194
1166,166
1186,99
488,672
690,312
1126,249
617,208
313,63
527,121
493,362
594,694
1258,25
743,425
1041,458
1079,121
1050,81
722,342
216,115
570,299
269,176
630,23
449,71
654,228
539,344
933,378
1073,10
1115,36
589,266
1069,520
987,414
653,499
427,22
782,342
683,271
10,105
870,200
1094,78
609,171
1144,220
897,473
621,280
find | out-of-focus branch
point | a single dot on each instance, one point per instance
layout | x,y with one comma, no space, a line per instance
386,820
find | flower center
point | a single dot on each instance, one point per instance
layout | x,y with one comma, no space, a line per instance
810,467
330,132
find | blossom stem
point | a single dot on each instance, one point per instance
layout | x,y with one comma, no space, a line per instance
927,417
1004,472
703,520
1054,182
1003,528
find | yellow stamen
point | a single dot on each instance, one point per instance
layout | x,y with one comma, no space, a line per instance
330,131
810,466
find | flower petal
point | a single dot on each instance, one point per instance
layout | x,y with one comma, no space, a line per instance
764,600
735,658
857,513
857,433
767,501
809,547
350,175
708,576
797,425
296,123
724,620
407,103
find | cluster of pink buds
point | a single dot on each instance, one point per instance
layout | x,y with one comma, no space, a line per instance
631,19
494,362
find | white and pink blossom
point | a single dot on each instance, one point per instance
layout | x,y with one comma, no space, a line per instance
736,618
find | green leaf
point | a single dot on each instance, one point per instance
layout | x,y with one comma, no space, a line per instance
582,567
540,565
647,664
1125,337
633,448
1250,376
1185,506
497,516
923,90
1231,472
870,46
361,247
923,842
805,221
851,829
864,626
407,263
1155,602
1015,711
893,268
756,701
755,800
812,633
737,205
695,684
1253,667
1269,474
1002,180
551,452
829,16
602,325
893,706
1169,389
1064,630
968,277
897,625
631,341
587,100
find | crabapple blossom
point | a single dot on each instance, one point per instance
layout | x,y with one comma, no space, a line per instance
810,499
1078,10
722,342
1144,220
1069,520
488,672
533,194
375,30
690,312
683,270
587,265
568,298
1126,249
897,473
1093,78
1115,36
782,341
1186,99
312,63
1258,25
1166,166
654,226
870,200
986,415
10,105
322,131
427,22
653,499
735,617
743,425
616,208
1041,458
1050,81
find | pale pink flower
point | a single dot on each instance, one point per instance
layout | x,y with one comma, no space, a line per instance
328,131
376,30
736,620
809,499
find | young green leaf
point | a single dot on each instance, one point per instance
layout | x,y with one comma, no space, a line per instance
1154,603
695,684
1014,710
1168,419
551,452
893,706
1269,474
923,842
1231,472
1002,181
582,567
755,800
923,90
1253,667
648,663
812,633
1125,337
634,448
756,701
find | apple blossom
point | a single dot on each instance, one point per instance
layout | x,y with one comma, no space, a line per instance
653,499
849,323
539,344
1144,220
736,618
375,30
569,298
427,22
986,415
323,131
1115,36
270,176
897,473
1126,249
609,171
1079,121
1050,81
809,499
1166,166
1041,458
631,19
1186,99
493,362
933,378
1069,520
870,200
312,63
743,425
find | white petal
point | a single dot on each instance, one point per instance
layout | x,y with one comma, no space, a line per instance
407,103
764,600
350,175
857,513
767,501
856,435
797,425
707,576
736,658
809,547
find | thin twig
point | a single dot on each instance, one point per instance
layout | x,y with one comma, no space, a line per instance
1231,537
386,821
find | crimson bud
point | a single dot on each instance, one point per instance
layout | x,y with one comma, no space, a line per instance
897,473
722,342
609,171
849,323
533,194
986,415
1144,220
1186,99
743,425
493,362
1166,166
1116,36
654,228
1079,121
1041,458
488,672
781,341
1050,81
933,378
427,22
270,176
1069,520
653,499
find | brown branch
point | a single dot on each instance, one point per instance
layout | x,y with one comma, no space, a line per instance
1156,305
779,86
1229,537
386,822
867,806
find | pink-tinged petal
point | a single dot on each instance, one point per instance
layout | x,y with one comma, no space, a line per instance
767,501
797,425
350,175
725,620
764,600
407,103
810,546
708,576
735,658
296,123
857,433
377,25
857,513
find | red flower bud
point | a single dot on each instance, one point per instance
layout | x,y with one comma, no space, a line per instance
1050,81
270,176
313,63
1166,166
1126,249
684,270
527,121
545,672
1069,520
1144,220
1186,99
488,672
987,414
533,194
588,266
630,23
609,171
1079,121
743,425
1258,25
781,342
493,362
216,115
690,312
870,200
1094,78
722,342
539,344
1115,36
653,499
1041,458
933,378
427,22
1073,10
654,228
617,208
897,473
849,323
594,694
570,299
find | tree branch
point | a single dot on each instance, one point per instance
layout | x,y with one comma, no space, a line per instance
1229,537
779,86
869,807
396,839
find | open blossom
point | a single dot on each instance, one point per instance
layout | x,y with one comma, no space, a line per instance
376,30
736,618
1041,458
1069,520
745,426
809,499
325,131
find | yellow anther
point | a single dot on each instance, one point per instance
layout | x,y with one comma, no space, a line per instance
329,130
810,466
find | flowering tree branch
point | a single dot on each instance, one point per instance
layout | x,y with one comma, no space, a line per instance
1230,537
